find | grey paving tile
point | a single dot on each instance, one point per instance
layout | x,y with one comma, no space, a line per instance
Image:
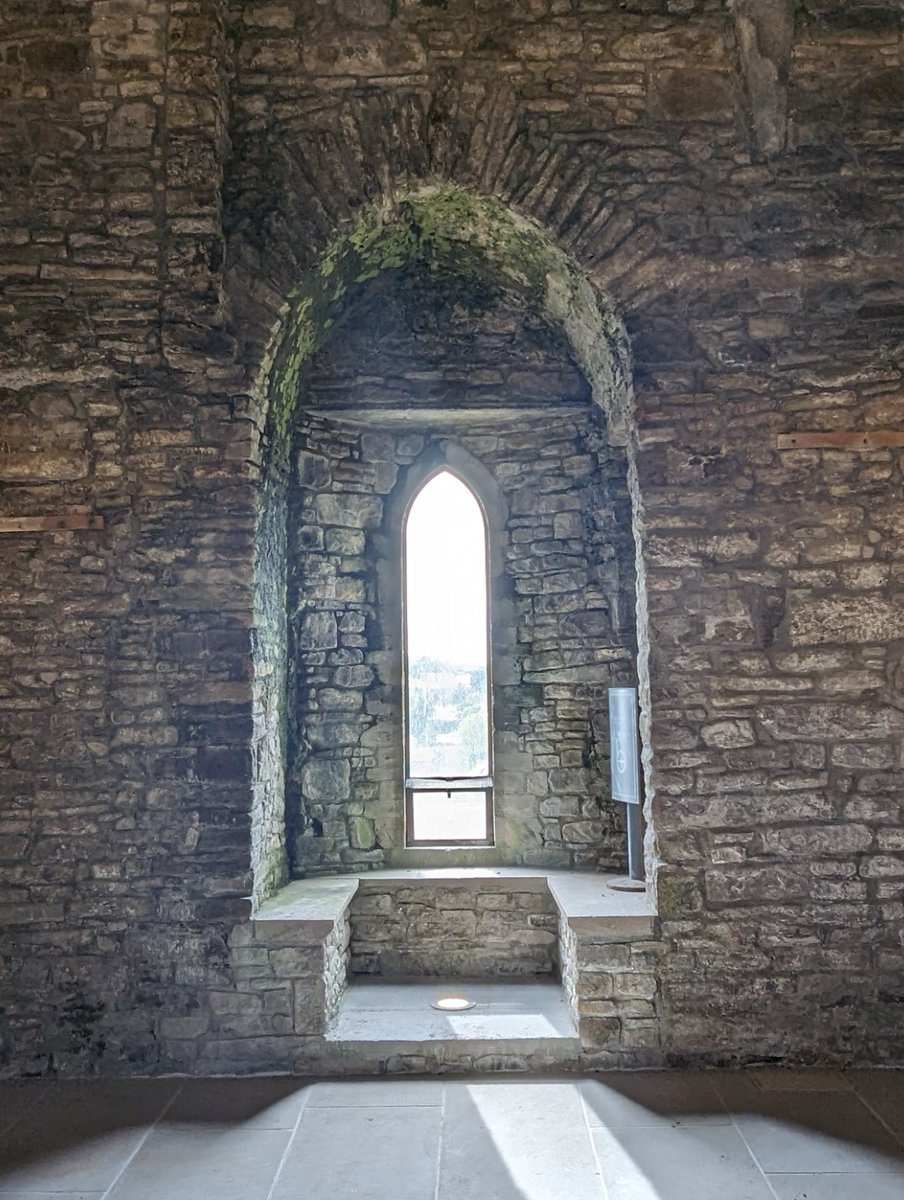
838,1187
16,1097
516,1141
787,1080
882,1091
78,1136
53,1195
251,1103
813,1132
696,1162
652,1098
367,1153
740,1089
204,1164
401,1012
388,1093
87,1158
125,1101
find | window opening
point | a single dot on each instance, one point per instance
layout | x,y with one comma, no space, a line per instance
448,734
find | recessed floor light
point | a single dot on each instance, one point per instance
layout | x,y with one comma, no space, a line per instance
452,1003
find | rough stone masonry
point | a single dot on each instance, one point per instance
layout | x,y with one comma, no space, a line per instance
172,176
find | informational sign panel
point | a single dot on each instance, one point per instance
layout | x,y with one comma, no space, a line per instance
623,745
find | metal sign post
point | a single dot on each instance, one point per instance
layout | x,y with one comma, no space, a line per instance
625,773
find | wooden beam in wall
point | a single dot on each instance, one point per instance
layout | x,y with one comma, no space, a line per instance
859,439
45,524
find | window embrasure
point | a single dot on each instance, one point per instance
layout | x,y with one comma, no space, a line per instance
447,667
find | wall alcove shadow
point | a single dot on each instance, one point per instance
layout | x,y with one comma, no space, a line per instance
442,330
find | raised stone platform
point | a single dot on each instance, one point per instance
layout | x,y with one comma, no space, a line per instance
293,959
515,1025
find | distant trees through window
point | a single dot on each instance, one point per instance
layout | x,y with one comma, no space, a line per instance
448,742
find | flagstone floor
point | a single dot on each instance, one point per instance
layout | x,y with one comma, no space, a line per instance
756,1135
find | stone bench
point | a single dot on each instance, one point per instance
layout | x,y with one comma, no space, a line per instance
474,921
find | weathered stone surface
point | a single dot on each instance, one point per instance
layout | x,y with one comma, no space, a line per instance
816,620
553,659
692,95
398,930
325,779
318,631
131,127
765,30
169,181
826,722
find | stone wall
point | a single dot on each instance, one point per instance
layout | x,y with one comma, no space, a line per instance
422,370
171,169
612,983
400,929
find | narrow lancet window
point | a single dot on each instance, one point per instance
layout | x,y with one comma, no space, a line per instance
448,743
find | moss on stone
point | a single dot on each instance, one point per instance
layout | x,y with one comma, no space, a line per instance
677,896
470,236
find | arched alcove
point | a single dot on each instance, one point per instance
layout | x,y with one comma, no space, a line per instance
449,234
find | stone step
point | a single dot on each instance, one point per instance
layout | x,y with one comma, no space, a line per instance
391,1026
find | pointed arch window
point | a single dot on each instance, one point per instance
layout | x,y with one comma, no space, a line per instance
447,683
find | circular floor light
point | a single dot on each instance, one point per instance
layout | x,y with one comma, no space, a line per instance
452,1003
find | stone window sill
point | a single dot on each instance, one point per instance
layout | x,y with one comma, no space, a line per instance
583,899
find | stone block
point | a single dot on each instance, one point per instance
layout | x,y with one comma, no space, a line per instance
635,985
882,866
131,126
818,721
352,510
309,1008
598,1033
296,962
608,956
326,779
318,631
728,735
815,841
362,834
595,985
691,94
851,619
367,55
41,466
190,1027
757,885
368,13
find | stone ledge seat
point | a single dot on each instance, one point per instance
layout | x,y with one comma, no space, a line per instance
298,944
583,898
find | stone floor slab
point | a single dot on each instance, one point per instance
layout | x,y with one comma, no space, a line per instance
617,1100
837,1187
265,1103
512,1011
16,1097
656,1136
817,1132
78,1136
54,1195
498,1140
368,1093
374,1153
204,1164
696,1162
883,1093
